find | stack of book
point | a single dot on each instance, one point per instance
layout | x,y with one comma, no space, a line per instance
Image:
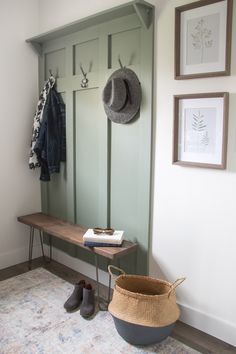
92,238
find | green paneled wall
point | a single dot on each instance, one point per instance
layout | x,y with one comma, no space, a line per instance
106,178
87,157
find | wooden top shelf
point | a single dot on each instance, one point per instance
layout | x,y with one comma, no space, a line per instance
73,233
141,8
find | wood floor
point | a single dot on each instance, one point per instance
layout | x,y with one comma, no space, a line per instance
192,337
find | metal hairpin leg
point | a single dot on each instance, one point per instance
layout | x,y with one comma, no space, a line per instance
41,241
31,243
97,280
109,285
50,247
102,305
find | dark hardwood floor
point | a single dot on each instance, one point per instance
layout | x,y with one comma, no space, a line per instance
192,337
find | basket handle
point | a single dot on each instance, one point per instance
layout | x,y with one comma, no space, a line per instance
175,284
110,267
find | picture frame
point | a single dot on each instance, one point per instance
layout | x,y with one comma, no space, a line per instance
203,35
200,129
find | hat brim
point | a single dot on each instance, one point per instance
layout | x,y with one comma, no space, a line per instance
132,106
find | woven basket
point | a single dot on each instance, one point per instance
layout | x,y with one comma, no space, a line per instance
143,300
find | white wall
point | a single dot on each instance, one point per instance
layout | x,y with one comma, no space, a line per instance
55,13
194,219
194,223
19,187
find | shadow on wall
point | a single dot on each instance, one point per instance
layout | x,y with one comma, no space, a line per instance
159,272
162,274
233,46
231,149
159,6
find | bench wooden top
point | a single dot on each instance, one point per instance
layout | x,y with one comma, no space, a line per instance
73,233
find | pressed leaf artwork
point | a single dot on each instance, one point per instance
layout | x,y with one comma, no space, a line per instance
198,122
202,37
205,139
200,130
203,40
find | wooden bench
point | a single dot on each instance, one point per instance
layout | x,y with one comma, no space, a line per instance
73,234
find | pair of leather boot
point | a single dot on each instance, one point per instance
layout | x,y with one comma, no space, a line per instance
83,295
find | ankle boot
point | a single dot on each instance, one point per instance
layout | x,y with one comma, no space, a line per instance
74,301
88,304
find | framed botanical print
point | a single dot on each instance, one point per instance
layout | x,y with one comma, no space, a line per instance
200,129
203,32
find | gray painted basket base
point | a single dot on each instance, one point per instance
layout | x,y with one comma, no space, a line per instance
142,335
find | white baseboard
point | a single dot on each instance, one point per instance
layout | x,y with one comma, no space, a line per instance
209,324
78,265
8,259
20,255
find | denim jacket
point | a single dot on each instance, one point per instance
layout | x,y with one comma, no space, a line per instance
51,145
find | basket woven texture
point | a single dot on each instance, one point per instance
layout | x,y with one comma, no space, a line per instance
144,300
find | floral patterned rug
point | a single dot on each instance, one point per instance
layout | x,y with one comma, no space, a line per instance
33,321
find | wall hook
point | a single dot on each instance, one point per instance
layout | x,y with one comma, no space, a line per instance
121,65
52,78
56,76
84,81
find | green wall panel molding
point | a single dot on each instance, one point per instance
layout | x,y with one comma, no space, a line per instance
106,178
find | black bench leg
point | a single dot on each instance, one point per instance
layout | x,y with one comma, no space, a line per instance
109,290
41,242
97,280
102,305
31,243
50,247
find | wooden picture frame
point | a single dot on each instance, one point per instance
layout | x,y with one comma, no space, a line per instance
200,129
203,34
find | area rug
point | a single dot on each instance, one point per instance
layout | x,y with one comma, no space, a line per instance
33,321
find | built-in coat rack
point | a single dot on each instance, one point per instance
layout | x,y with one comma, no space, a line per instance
98,184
